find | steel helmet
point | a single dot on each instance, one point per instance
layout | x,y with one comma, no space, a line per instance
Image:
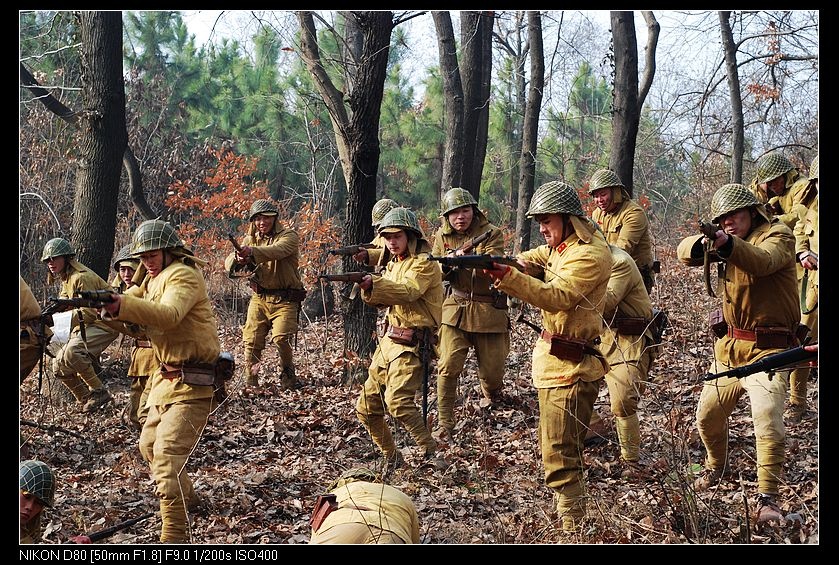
814,168
731,197
152,235
124,256
57,247
555,197
455,198
771,166
604,178
381,208
400,219
263,207
37,479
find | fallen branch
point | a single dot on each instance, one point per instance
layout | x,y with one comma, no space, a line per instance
52,428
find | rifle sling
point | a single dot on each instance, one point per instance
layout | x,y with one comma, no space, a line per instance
803,295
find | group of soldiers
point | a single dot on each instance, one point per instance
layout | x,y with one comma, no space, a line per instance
591,281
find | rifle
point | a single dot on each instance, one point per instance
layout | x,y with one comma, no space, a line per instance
425,358
768,364
473,243
476,261
351,249
83,299
352,276
709,230
248,266
108,532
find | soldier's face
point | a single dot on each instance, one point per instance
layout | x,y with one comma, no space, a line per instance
551,227
126,273
152,261
397,242
56,264
30,507
264,223
775,187
461,218
738,222
603,197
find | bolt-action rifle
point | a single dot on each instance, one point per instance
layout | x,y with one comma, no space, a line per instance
351,249
250,266
709,230
769,364
468,246
354,277
108,532
476,261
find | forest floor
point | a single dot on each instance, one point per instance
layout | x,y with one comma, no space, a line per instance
266,453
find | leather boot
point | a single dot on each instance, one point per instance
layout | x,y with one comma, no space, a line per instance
288,379
98,398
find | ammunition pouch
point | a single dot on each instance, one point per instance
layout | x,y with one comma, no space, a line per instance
568,348
411,336
325,504
717,324
629,325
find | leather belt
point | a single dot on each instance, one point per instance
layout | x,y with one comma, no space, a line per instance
473,297
737,333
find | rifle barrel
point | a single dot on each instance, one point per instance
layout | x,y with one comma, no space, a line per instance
769,363
108,532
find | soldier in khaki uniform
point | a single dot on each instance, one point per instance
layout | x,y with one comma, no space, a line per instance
623,221
37,490
567,368
269,257
760,309
806,233
31,342
628,344
143,363
172,305
76,363
470,317
367,511
411,289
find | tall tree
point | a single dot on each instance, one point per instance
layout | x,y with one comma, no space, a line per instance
530,134
738,146
628,98
103,141
452,102
355,120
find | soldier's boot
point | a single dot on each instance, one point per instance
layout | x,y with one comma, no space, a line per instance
288,378
98,398
380,434
629,436
251,368
571,507
77,387
446,394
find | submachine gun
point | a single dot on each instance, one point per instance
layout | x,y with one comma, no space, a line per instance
770,363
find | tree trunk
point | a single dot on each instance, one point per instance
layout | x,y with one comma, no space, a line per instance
737,127
357,136
103,140
475,72
452,102
530,130
626,115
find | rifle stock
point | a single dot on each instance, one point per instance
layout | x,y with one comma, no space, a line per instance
476,261
351,249
353,277
108,532
774,362
235,243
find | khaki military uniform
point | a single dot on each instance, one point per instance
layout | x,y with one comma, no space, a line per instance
276,257
411,288
807,239
30,328
75,364
30,532
628,227
369,513
178,317
757,290
571,298
143,365
628,344
470,319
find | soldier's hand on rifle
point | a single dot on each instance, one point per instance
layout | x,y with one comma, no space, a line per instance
112,308
361,257
718,241
809,260
366,283
80,539
244,255
497,272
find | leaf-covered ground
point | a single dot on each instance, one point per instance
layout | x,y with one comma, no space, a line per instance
266,453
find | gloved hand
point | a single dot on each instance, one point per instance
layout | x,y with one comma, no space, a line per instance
497,272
